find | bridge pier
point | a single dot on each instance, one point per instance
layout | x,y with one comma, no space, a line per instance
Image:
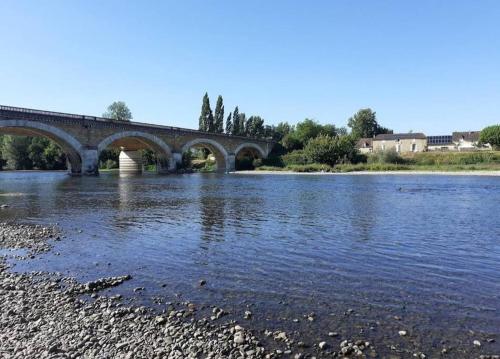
90,162
231,163
130,162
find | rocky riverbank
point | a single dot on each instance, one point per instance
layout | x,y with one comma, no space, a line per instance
44,316
47,315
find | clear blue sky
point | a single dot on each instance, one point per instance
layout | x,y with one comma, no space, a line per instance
431,66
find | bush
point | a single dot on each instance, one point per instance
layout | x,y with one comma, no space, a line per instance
296,157
111,164
452,158
257,162
491,135
386,156
330,150
273,161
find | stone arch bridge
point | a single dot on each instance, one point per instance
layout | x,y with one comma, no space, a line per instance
83,138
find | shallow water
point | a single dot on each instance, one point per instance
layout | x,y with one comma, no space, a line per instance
423,248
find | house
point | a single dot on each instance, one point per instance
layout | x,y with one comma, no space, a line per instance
466,141
365,145
401,142
440,143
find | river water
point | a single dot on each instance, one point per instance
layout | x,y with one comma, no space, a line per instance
368,255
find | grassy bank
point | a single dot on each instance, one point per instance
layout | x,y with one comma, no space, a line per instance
425,161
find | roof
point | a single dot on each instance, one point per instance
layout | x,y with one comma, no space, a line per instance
364,142
439,140
399,136
470,136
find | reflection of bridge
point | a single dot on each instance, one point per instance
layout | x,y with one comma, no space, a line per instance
83,138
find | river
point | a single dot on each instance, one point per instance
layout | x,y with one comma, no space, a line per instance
355,255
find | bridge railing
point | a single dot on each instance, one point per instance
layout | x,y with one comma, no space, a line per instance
108,120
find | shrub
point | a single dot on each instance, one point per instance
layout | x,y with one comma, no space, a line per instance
273,161
386,156
491,135
296,157
312,167
257,162
111,164
330,150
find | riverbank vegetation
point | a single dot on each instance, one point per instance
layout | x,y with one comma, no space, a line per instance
392,161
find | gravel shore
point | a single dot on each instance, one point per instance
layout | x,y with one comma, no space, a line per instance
44,316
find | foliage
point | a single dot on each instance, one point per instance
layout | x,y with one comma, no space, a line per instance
187,159
257,162
491,135
16,153
330,150
386,156
206,120
364,124
229,124
255,127
28,153
119,111
108,159
219,116
290,142
242,124
297,157
452,158
236,122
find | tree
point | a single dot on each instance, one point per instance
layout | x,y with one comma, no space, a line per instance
36,152
306,130
206,121
2,161
242,126
255,127
15,152
330,150
54,157
229,124
236,121
119,111
219,116
491,135
364,124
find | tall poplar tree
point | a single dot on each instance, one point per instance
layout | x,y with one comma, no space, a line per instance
243,123
206,120
219,116
236,122
229,124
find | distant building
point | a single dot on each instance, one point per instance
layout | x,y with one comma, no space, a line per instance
401,142
466,141
458,141
440,143
365,145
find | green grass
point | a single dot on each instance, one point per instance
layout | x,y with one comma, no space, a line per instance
424,161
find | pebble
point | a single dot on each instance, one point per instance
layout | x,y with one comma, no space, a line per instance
47,319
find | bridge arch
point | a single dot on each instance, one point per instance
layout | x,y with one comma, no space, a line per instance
220,153
144,140
249,145
70,145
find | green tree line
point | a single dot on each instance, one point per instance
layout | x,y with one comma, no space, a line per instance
30,153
